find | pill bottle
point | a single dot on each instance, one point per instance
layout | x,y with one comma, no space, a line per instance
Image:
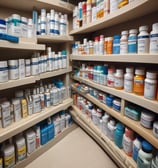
128,138
89,11
20,148
113,5
118,79
24,27
105,120
16,109
150,85
84,13
122,3
109,45
111,128
154,39
155,129
15,28
116,104
118,135
27,67
128,79
110,77
109,100
13,69
132,41
34,65
3,27
154,163
143,40
147,118
3,71
145,155
124,42
139,81
101,45
137,145
116,44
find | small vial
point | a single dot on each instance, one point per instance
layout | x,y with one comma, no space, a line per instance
143,40
124,42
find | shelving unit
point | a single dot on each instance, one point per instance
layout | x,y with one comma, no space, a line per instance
131,97
118,155
135,125
128,12
130,58
45,147
28,122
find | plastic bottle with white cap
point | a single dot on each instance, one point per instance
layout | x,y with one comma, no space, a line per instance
154,39
124,42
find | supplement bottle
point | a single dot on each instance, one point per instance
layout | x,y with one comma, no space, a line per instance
110,77
3,71
3,27
150,85
139,81
101,45
109,45
143,40
132,41
111,129
118,134
105,120
154,163
128,80
89,11
154,39
124,42
145,155
128,138
116,44
118,79
13,69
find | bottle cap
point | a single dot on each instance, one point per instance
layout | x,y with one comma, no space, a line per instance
155,27
139,71
120,126
151,75
125,32
117,36
143,28
129,70
119,71
133,31
147,147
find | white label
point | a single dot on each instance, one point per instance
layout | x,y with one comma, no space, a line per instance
4,76
154,44
123,47
17,112
143,45
118,82
128,85
150,90
127,145
6,116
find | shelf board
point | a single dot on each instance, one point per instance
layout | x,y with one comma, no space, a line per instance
54,38
119,155
135,58
131,97
33,79
135,125
131,11
21,46
31,120
39,151
28,5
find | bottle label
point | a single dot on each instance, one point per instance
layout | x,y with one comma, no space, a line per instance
143,44
9,161
128,85
139,86
154,43
150,90
118,83
22,153
123,47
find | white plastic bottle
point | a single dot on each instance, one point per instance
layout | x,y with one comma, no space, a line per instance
124,42
105,120
150,85
128,80
143,40
155,162
111,128
118,79
154,39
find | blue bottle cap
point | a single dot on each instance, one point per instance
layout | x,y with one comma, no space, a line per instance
147,147
59,84
120,126
2,22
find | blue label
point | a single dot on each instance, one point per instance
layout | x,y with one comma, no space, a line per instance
3,69
141,37
153,35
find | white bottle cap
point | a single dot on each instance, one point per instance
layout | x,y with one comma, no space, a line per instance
24,19
120,71
112,122
133,31
155,27
13,62
19,94
16,16
151,75
30,22
125,32
143,28
3,64
139,72
129,70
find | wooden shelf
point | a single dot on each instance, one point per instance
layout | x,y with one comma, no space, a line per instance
21,46
131,97
131,11
135,125
31,120
28,5
134,58
33,79
119,155
54,38
45,147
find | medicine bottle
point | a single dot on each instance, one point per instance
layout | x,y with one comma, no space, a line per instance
109,45
118,79
132,41
89,11
113,5
150,85
145,155
139,81
124,42
154,163
128,138
116,44
3,71
128,79
143,40
84,13
111,129
101,45
96,45
13,69
154,39
91,48
110,77
105,120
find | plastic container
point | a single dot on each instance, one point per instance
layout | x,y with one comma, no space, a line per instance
111,128
109,45
118,79
137,145
16,109
117,104
155,129
139,81
154,39
128,138
30,141
132,41
110,77
150,85
13,69
143,40
109,100
15,26
24,27
118,135
113,5
105,120
128,80
154,163
145,155
124,42
27,67
3,27
116,44
3,71
147,119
